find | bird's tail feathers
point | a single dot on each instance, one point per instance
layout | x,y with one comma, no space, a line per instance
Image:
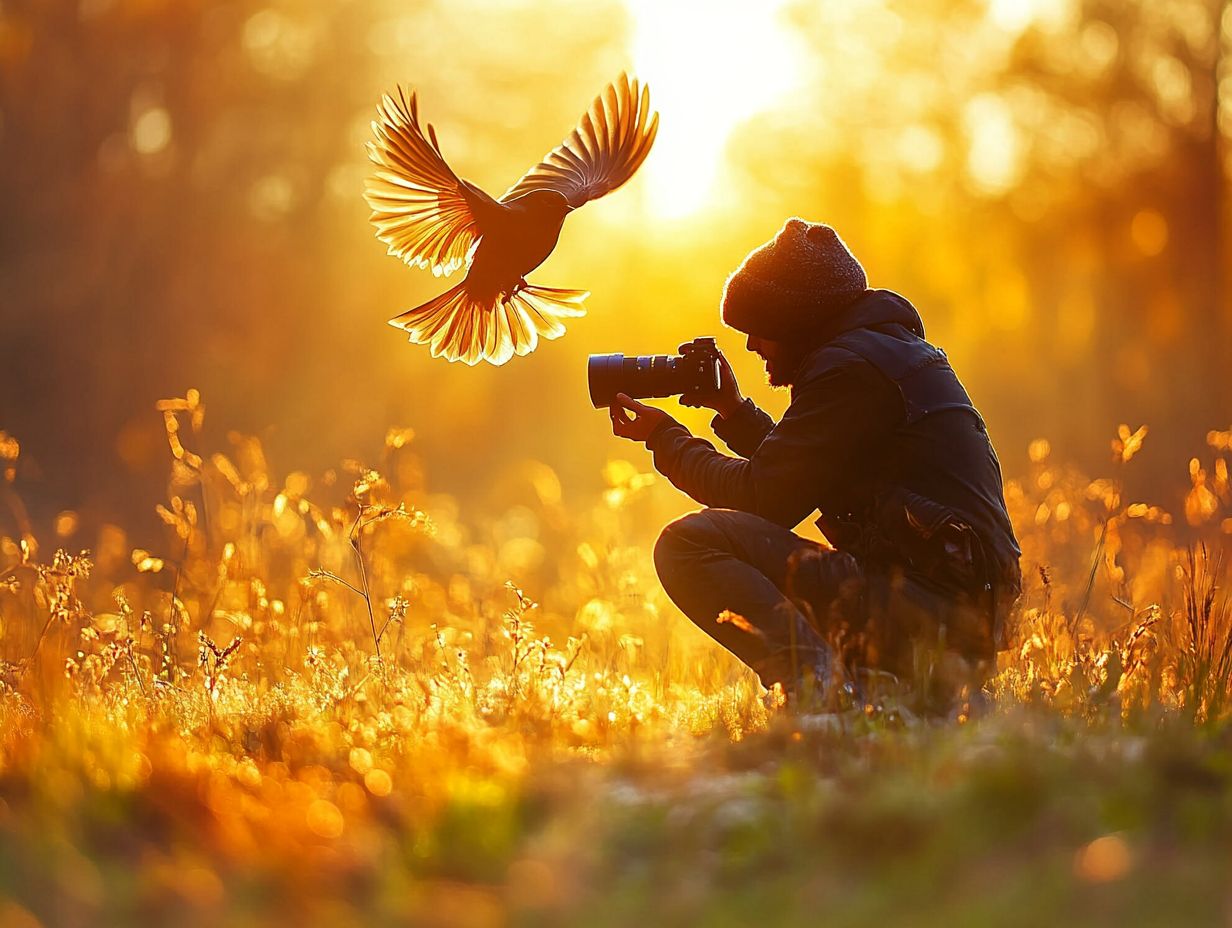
459,326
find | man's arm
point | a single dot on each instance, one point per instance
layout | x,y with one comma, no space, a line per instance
832,424
739,422
743,429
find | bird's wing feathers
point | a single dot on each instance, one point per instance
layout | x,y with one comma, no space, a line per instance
607,147
422,210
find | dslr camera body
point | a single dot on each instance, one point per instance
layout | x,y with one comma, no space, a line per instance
694,370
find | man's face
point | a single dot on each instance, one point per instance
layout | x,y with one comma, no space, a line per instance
781,359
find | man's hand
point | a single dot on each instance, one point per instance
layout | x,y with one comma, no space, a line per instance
723,400
638,427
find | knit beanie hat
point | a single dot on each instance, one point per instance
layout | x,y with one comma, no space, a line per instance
793,283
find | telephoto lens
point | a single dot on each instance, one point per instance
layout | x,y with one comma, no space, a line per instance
695,369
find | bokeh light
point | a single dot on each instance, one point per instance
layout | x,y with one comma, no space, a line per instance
380,639
710,73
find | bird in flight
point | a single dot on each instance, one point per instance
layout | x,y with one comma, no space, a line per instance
431,218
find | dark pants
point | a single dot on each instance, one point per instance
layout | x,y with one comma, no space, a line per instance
794,595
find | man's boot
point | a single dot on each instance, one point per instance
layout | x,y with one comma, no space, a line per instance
813,678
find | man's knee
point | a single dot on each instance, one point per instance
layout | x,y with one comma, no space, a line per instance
831,583
823,574
687,537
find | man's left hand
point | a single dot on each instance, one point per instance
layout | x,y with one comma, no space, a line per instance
641,424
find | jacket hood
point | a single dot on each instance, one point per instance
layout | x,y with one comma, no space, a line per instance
876,307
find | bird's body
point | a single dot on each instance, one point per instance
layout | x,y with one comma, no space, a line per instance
519,237
430,217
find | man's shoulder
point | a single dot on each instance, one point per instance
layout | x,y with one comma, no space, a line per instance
878,325
829,359
889,348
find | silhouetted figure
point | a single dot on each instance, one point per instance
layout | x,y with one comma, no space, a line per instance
430,217
880,437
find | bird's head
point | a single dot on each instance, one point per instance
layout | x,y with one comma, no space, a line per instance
546,203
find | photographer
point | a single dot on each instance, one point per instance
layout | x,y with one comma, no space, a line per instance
880,437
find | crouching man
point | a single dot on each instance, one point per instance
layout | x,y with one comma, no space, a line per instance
880,437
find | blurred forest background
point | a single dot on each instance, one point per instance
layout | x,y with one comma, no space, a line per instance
180,206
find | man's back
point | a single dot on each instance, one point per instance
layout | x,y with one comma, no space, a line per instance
926,438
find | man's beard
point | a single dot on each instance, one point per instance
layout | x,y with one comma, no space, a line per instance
777,378
782,369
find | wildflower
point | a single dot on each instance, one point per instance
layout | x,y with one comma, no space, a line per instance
727,617
1127,443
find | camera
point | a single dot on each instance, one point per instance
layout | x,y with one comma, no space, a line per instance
694,370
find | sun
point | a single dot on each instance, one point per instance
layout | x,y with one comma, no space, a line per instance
710,68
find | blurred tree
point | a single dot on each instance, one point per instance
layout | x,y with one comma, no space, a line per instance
1048,181
181,186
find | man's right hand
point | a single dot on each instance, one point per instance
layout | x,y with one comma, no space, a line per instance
724,400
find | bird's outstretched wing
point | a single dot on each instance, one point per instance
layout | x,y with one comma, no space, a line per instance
425,213
609,144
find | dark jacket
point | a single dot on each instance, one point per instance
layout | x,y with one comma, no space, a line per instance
850,437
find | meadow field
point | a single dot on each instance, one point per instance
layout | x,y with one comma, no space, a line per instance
335,699
379,641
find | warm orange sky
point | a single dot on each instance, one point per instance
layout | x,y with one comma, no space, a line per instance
1043,178
712,73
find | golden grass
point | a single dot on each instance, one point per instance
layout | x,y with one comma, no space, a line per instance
340,688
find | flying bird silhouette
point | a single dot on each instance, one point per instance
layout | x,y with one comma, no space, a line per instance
431,218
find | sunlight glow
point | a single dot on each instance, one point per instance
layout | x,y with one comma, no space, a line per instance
708,72
1015,16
